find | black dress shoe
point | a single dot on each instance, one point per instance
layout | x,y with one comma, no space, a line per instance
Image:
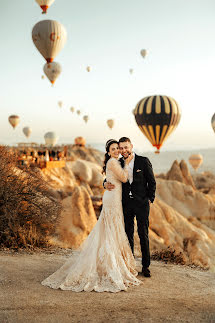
146,272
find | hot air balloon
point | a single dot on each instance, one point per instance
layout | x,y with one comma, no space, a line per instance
110,123
88,68
131,70
213,122
60,103
78,112
50,138
143,53
85,118
157,116
43,77
72,109
49,37
44,4
52,71
14,120
27,131
195,160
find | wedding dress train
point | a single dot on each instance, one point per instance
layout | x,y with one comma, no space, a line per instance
105,261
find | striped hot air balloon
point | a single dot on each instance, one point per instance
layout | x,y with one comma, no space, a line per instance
14,120
157,116
195,160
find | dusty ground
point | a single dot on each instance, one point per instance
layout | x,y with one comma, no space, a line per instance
174,293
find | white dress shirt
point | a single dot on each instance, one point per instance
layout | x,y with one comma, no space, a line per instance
130,169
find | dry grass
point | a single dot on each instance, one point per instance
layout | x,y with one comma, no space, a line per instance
28,212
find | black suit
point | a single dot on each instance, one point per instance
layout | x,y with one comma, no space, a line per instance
142,190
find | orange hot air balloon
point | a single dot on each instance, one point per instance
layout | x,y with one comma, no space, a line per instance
157,116
110,123
44,4
14,120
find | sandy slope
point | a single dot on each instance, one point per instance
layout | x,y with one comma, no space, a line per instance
173,294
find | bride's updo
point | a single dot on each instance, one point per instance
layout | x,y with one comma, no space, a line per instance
107,148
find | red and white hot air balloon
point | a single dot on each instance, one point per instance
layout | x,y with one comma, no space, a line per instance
14,120
49,37
52,71
44,4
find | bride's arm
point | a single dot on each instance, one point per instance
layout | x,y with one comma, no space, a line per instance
120,173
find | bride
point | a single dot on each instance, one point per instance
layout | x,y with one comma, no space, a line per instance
105,262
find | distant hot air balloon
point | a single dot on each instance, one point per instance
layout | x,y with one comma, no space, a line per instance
52,71
49,36
60,103
85,118
14,120
131,70
44,4
50,138
78,112
110,123
72,109
143,52
27,131
157,116
43,77
213,122
195,160
89,68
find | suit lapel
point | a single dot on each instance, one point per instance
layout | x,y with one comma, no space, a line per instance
135,167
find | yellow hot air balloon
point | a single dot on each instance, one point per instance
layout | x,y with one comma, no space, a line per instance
78,112
85,118
213,122
50,138
60,103
195,160
157,116
72,109
52,71
110,123
89,68
27,131
49,37
143,53
14,120
44,4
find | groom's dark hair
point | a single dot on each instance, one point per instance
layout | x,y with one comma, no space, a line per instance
124,139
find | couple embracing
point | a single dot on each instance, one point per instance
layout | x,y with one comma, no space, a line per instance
105,261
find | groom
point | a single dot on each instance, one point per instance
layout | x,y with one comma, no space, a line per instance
137,194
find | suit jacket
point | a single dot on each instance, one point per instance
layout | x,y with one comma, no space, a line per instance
143,186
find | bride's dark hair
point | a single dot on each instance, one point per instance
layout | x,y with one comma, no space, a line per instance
107,157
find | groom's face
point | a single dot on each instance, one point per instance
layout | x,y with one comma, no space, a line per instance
125,149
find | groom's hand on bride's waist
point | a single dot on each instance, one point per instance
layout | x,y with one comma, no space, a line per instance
108,186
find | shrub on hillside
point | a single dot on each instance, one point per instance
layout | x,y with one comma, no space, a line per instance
28,211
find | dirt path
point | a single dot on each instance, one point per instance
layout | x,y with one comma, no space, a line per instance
173,294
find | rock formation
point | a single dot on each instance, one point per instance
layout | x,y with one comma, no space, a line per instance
77,218
180,172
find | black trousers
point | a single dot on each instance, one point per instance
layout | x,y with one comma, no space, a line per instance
130,210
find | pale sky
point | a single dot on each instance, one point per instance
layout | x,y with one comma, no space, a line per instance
108,35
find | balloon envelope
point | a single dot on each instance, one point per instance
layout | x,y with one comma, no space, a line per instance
89,69
143,53
110,123
52,71
14,120
72,109
78,112
60,103
195,160
157,116
131,71
50,138
86,118
44,4
213,122
49,37
27,131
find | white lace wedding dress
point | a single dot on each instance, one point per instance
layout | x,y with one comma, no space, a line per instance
105,261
